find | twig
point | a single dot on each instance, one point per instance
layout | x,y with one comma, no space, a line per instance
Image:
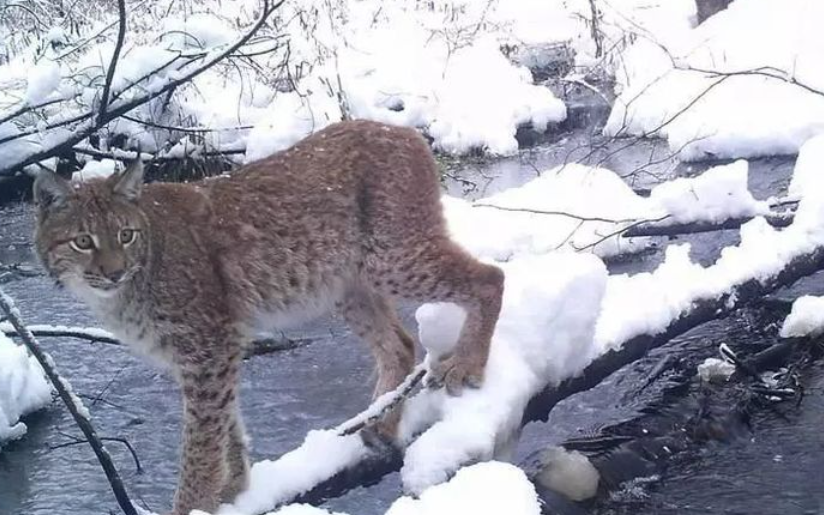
105,439
121,35
559,213
74,405
383,404
652,229
93,335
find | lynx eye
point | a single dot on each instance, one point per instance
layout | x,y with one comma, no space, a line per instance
82,243
127,236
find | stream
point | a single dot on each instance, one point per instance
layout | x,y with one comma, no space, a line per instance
773,470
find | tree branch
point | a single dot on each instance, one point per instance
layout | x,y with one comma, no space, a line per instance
121,36
93,335
652,229
119,108
74,405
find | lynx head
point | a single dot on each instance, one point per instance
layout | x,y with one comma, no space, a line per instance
92,237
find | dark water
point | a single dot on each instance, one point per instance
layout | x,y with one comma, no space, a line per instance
319,385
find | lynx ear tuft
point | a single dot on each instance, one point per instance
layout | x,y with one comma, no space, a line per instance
50,191
129,183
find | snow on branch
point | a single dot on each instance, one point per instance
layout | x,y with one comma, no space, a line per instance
76,128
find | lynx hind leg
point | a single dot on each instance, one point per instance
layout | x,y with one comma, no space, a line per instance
444,272
373,318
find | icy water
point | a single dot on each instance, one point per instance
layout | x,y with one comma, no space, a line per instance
319,385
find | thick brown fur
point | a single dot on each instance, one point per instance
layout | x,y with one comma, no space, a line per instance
349,218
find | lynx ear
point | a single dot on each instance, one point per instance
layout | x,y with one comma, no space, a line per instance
50,191
129,182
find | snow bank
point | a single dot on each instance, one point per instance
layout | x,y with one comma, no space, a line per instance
23,388
585,208
704,115
544,335
805,319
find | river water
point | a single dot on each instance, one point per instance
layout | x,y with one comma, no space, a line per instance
774,470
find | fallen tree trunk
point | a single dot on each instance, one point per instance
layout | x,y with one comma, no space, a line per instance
671,230
378,465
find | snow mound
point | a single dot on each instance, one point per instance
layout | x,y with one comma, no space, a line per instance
714,196
805,319
544,335
23,388
482,489
665,90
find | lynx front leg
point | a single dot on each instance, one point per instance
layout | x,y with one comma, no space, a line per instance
209,410
237,460
372,317
443,272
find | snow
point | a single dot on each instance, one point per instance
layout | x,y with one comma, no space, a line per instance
585,208
44,78
714,196
322,455
23,389
705,115
806,318
484,489
95,170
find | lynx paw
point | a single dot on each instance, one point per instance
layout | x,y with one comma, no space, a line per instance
454,373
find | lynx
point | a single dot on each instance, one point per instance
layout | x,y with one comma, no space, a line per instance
349,218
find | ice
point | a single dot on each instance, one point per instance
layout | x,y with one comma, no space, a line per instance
23,389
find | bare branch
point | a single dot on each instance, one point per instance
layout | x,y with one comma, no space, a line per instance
74,405
121,36
651,229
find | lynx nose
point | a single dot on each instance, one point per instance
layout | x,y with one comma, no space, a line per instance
116,276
